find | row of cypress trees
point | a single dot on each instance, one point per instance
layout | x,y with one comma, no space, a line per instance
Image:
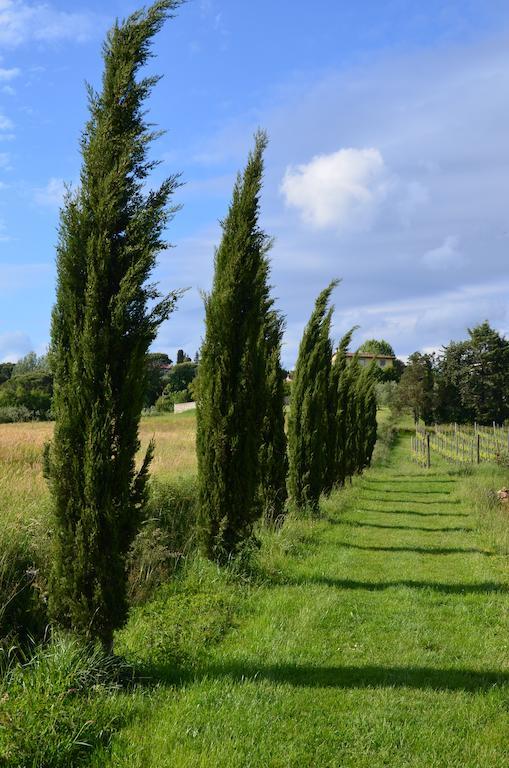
332,426
107,314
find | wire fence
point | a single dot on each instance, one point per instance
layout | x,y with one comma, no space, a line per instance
460,444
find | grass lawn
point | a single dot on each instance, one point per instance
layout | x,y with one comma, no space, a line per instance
379,638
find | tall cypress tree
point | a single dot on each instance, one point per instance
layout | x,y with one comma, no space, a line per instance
232,388
105,317
273,451
339,382
309,417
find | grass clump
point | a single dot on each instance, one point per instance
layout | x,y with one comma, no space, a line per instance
171,633
166,538
59,706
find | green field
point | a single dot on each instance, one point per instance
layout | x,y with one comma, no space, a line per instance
375,636
382,640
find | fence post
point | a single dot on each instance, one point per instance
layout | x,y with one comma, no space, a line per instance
428,462
478,449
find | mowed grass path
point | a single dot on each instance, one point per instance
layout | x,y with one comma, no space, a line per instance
383,641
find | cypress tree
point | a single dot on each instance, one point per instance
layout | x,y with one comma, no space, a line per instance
308,441
339,382
105,317
232,372
273,451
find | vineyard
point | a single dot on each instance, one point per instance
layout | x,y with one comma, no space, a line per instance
460,443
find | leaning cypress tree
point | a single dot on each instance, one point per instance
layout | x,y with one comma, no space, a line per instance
273,451
232,390
105,317
308,422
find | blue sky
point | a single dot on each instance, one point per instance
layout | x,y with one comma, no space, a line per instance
388,164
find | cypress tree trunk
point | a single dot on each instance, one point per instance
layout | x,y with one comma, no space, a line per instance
308,423
110,234
232,388
273,451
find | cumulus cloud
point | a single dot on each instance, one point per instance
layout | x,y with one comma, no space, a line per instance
22,21
342,190
52,194
446,256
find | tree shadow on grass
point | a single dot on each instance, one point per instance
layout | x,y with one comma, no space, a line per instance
419,550
482,588
412,512
341,677
349,677
408,479
400,500
411,492
389,527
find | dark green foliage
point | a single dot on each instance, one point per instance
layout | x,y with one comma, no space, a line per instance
231,404
308,437
33,391
180,376
484,381
102,328
6,370
376,347
157,364
416,388
273,453
339,387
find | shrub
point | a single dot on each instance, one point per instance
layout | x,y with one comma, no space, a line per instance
23,605
11,414
59,706
166,537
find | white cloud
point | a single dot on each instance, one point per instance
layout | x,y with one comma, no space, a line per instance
22,21
341,190
4,160
9,74
5,123
13,346
52,194
446,256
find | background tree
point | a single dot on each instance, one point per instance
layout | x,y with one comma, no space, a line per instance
6,370
416,388
308,440
105,318
484,383
232,391
157,368
273,451
376,347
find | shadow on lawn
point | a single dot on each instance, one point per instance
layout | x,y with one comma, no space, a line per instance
410,501
303,676
419,550
369,487
388,527
347,677
482,588
411,512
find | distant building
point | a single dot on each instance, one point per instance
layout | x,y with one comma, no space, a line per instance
383,361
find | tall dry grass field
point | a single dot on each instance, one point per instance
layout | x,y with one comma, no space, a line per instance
23,490
25,503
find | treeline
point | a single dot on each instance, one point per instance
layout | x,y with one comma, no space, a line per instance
468,381
106,317
26,387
